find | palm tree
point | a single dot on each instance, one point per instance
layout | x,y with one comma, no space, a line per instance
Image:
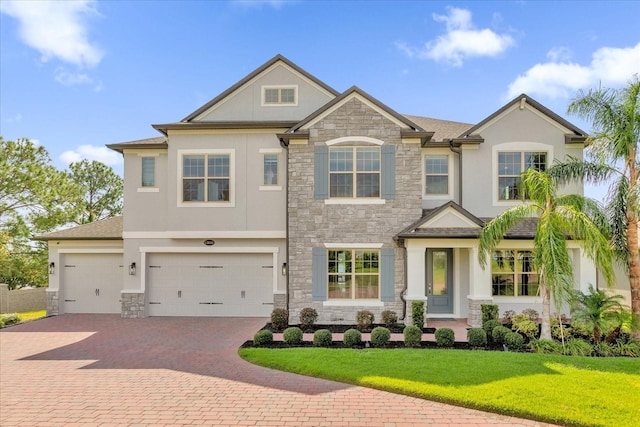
597,311
559,217
613,149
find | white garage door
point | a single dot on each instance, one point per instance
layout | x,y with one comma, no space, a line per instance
91,283
210,284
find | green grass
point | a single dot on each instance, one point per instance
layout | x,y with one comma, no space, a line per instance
558,389
31,315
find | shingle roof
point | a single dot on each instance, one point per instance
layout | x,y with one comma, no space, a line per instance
106,229
444,129
157,142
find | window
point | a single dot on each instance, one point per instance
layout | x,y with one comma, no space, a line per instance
512,274
270,169
436,174
206,177
354,172
279,96
353,274
148,171
511,165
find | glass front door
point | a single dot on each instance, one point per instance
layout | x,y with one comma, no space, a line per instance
439,284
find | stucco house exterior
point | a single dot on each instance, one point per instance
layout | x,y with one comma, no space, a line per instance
283,192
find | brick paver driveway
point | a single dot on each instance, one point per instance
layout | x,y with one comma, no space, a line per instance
104,370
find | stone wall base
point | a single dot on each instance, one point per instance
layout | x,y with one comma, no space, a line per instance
475,311
280,301
132,305
53,306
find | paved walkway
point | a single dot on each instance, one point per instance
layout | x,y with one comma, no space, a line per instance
99,370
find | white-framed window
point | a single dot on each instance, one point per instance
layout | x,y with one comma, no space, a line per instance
511,164
279,95
354,172
436,171
353,274
270,169
512,274
206,177
148,174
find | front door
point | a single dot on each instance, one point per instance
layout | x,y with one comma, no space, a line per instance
439,286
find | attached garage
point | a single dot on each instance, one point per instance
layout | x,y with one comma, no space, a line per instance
92,282
209,284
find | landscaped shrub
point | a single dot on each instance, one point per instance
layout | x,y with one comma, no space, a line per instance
417,313
389,318
292,335
9,319
514,341
279,319
545,346
263,337
603,349
380,336
558,330
523,324
489,326
322,338
577,347
508,316
477,337
579,329
445,337
352,338
412,336
532,314
489,312
499,332
364,319
308,317
626,348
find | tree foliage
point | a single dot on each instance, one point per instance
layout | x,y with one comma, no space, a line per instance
559,217
613,157
102,191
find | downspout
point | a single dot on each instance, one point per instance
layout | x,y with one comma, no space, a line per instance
456,149
406,276
286,188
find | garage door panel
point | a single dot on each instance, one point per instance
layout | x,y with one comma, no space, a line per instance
210,284
92,283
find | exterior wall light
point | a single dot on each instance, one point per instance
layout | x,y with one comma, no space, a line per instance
284,268
132,269
52,267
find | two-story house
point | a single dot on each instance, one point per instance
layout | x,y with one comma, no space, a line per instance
282,192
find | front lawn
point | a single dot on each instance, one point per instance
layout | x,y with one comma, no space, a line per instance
559,389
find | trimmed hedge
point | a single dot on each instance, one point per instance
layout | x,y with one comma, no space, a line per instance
445,337
477,337
292,335
263,337
352,338
322,338
412,336
279,319
380,336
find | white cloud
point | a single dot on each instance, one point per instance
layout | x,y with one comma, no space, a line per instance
67,78
559,53
56,29
560,78
461,41
91,152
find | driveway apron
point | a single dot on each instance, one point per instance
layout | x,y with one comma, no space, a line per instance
102,370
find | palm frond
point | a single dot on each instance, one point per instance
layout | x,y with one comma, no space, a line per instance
576,170
494,231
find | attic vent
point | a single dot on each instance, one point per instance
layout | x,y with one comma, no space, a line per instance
522,102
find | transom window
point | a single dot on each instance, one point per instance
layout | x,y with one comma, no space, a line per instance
354,274
436,174
280,95
270,169
511,164
354,172
206,178
148,171
512,274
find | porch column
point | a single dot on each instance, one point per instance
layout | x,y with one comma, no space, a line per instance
415,276
479,288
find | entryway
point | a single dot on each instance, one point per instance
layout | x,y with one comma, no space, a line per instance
439,280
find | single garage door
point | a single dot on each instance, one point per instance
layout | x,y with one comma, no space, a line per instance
210,284
91,283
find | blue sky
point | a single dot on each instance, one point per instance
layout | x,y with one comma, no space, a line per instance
76,75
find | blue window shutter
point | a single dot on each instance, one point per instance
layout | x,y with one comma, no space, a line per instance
388,171
319,274
321,172
387,274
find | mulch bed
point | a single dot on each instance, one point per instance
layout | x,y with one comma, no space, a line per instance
341,329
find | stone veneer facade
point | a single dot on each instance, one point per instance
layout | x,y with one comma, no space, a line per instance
312,223
133,305
53,306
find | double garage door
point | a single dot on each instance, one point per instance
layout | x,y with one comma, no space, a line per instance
209,284
92,283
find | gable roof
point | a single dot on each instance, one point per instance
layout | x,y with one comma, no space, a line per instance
256,72
157,142
413,131
106,229
443,129
576,134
